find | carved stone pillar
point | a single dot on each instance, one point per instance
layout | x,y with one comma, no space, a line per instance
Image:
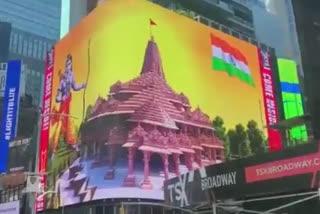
214,155
223,158
130,180
176,163
110,172
209,150
165,166
189,161
198,158
146,184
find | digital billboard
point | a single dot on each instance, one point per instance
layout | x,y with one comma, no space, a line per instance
19,155
130,97
10,111
292,97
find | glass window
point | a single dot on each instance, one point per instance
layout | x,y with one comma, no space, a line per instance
25,47
15,43
20,45
40,50
49,46
30,48
45,46
35,48
11,41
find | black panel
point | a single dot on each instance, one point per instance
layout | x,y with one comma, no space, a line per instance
5,31
308,26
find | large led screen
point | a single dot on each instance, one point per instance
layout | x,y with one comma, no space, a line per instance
137,94
291,97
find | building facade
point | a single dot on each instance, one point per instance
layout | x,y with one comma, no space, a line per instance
38,17
308,27
275,26
72,11
233,17
31,49
233,14
5,30
34,29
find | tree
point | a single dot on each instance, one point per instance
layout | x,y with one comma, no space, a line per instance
238,139
244,146
256,138
218,124
233,142
220,132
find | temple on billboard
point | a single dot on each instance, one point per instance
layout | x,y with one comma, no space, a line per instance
144,116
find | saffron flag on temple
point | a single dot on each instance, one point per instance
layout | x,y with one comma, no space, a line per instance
152,22
231,60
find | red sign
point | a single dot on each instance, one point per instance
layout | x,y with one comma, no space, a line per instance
270,106
284,168
45,125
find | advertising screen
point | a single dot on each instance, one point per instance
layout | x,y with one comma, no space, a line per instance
291,96
137,94
10,111
19,155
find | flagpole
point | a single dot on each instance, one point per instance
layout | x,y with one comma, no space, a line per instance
151,24
150,30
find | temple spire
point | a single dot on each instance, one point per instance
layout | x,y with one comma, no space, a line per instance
152,60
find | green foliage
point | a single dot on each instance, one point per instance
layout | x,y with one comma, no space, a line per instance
226,145
244,146
238,141
233,142
220,132
256,138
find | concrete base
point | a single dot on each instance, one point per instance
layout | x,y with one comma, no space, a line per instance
146,185
130,181
109,174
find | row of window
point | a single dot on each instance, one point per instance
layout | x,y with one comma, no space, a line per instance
28,46
32,16
33,85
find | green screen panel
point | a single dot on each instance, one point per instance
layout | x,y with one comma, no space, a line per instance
292,102
288,71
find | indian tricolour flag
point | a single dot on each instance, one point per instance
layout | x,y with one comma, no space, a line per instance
231,60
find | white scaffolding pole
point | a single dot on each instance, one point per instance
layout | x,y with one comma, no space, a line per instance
272,198
292,203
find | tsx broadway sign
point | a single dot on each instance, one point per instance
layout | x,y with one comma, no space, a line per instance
290,170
